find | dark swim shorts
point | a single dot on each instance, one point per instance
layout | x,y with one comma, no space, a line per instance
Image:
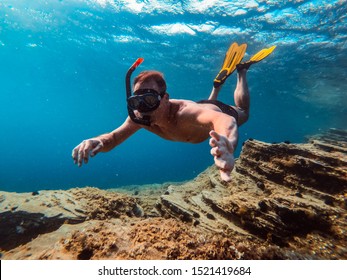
226,109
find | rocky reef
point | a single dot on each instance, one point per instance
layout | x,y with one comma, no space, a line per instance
286,201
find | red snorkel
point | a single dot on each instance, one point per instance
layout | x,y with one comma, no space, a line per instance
128,75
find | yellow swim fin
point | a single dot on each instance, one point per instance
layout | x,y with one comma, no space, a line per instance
232,58
255,58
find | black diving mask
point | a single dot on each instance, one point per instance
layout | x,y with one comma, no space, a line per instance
145,100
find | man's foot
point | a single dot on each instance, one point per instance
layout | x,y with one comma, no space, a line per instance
243,66
259,56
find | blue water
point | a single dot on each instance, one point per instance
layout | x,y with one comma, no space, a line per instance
62,68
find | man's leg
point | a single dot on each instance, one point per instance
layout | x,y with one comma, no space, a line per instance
241,97
214,93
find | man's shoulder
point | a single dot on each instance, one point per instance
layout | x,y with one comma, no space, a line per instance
182,101
186,108
184,104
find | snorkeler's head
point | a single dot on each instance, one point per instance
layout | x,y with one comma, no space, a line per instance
149,76
149,89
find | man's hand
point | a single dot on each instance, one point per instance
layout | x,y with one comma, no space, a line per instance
223,154
87,147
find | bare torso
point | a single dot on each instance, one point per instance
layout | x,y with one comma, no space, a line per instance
185,121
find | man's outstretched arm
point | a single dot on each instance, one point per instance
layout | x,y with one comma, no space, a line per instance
104,142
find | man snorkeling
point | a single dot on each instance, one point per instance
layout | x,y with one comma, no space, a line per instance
150,107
